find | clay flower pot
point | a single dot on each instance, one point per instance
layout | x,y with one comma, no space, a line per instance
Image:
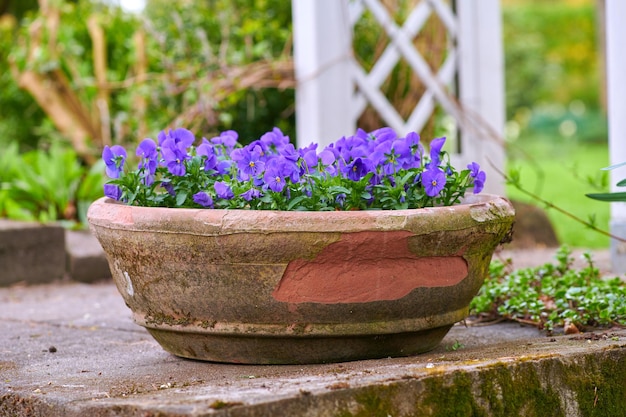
249,286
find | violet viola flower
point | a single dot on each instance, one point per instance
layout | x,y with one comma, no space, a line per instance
384,134
223,167
147,151
203,198
169,188
180,135
386,156
434,179
310,160
112,191
274,177
479,177
357,169
435,150
175,154
223,190
227,138
207,151
274,140
251,194
410,150
248,161
289,152
114,158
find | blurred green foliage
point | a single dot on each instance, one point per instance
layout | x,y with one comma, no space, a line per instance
186,43
196,38
19,113
553,72
47,185
41,177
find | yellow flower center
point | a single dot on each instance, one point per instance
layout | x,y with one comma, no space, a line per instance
434,183
251,164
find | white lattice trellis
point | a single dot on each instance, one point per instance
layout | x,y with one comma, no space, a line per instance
401,47
333,89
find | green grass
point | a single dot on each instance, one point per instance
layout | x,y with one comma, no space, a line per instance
560,171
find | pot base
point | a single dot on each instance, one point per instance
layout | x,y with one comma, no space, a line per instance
268,350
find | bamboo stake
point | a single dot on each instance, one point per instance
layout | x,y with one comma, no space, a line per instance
141,70
100,71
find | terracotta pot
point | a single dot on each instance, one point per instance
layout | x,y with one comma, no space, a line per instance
299,287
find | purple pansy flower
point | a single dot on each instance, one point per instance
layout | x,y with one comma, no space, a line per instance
169,188
387,157
249,161
175,154
356,169
114,158
112,191
410,150
251,194
227,138
223,190
433,179
203,198
479,177
435,150
148,154
207,151
274,178
274,140
180,135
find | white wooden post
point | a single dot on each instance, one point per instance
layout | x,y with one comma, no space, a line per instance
481,87
616,100
322,54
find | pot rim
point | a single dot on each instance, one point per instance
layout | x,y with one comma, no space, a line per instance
475,209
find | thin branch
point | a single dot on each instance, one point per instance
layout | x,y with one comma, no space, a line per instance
555,207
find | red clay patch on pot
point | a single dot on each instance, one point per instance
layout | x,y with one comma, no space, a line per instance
366,266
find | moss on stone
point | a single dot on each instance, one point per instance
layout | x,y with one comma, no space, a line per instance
591,385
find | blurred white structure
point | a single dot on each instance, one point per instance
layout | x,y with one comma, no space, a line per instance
615,12
333,89
133,6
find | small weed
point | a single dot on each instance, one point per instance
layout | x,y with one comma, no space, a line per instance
455,346
550,295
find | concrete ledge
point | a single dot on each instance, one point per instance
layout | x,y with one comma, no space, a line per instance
34,253
31,252
72,350
86,261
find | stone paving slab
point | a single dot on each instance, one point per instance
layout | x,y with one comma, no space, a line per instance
71,349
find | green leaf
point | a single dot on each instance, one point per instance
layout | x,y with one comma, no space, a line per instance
296,201
180,198
621,164
615,197
337,189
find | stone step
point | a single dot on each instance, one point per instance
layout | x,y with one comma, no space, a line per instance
71,349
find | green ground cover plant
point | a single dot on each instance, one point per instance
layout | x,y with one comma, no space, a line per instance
552,295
